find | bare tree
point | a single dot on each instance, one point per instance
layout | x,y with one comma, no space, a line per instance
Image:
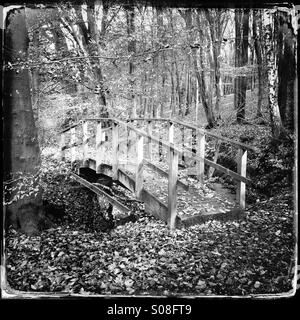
272,70
257,35
217,21
241,59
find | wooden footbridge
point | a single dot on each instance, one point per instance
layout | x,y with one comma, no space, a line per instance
122,149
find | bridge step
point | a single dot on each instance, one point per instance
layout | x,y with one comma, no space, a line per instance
234,214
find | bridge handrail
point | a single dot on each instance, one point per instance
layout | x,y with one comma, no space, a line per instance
187,125
168,146
71,127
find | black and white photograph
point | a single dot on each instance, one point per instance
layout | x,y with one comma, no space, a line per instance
149,150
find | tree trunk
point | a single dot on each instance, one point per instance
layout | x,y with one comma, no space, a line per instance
188,92
200,75
178,91
286,69
216,24
130,16
241,59
35,76
257,30
271,57
21,149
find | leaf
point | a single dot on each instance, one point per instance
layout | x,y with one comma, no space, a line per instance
162,252
128,283
257,284
201,284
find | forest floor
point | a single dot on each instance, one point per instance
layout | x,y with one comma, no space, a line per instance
235,258
253,256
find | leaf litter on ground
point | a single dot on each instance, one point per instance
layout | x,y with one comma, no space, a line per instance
254,256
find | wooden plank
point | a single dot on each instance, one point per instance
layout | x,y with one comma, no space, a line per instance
100,192
130,141
115,150
182,143
154,206
85,143
126,180
99,147
72,126
139,166
225,170
170,135
241,169
62,147
216,155
165,174
70,146
160,151
73,141
233,214
92,164
171,132
229,172
150,119
194,142
201,155
172,189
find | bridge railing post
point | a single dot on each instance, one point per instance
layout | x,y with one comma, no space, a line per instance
160,148
130,138
73,147
99,151
201,155
216,155
241,169
194,142
139,166
170,135
85,144
115,150
172,188
63,146
149,143
182,143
